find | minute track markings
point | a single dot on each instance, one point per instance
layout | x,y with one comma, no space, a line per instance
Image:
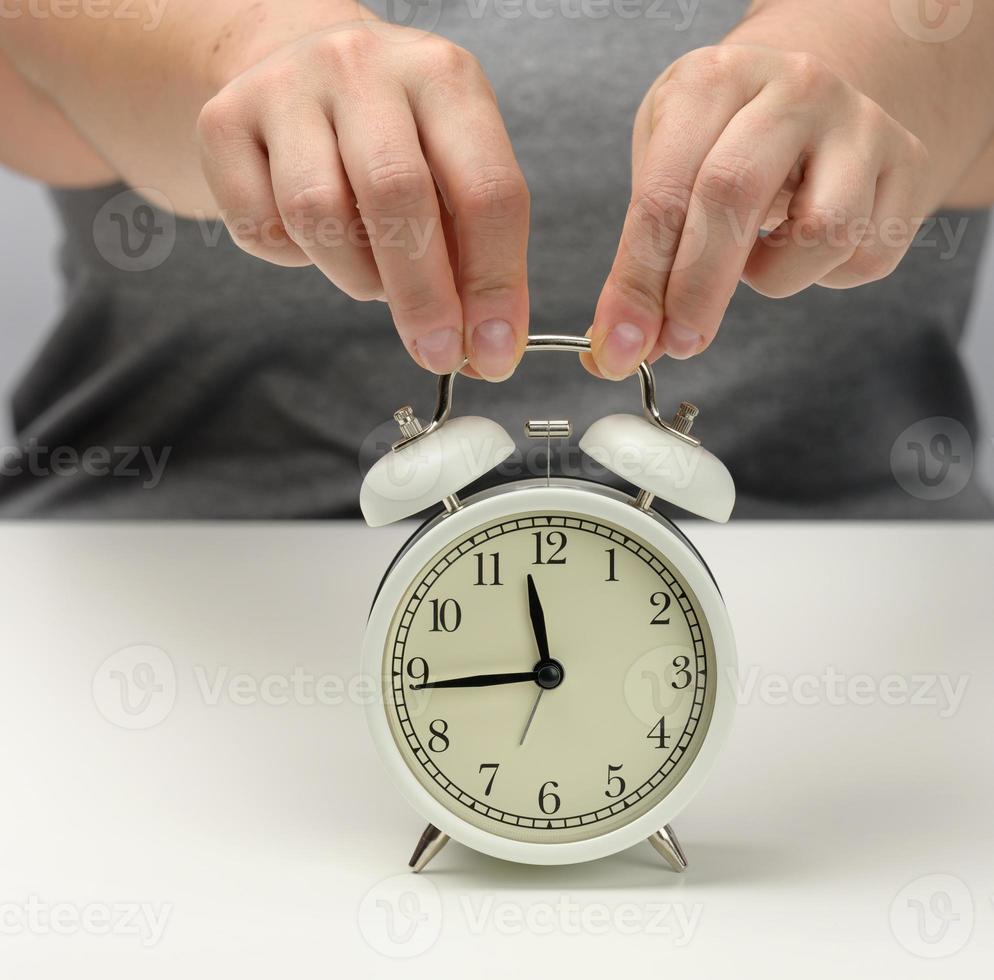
638,550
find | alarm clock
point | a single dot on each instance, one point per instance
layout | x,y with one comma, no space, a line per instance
552,662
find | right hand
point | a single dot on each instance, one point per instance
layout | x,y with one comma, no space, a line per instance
401,128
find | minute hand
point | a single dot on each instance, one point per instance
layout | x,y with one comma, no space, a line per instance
480,680
537,617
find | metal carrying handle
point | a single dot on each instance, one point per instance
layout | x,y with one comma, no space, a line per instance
552,342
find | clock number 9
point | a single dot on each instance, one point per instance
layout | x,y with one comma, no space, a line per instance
417,670
439,741
546,796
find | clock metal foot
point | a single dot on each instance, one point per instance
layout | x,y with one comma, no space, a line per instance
666,843
431,842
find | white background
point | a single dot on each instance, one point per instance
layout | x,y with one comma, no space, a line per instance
845,831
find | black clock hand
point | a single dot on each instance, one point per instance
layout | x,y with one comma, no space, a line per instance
481,680
547,674
537,617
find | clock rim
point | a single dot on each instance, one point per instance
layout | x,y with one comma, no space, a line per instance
520,497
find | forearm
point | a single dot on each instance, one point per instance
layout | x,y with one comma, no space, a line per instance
38,141
942,92
134,87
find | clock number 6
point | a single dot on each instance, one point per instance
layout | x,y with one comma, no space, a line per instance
545,795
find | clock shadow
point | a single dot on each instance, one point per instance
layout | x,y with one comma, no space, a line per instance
710,864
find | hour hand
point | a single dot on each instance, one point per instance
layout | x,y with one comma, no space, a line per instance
537,616
480,680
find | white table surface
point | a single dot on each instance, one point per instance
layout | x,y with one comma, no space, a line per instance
849,827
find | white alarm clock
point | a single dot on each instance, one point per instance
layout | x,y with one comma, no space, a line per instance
554,667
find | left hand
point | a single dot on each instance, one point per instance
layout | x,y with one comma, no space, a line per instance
731,140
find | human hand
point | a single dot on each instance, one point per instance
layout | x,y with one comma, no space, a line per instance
329,150
737,138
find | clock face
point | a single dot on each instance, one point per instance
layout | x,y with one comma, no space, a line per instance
549,677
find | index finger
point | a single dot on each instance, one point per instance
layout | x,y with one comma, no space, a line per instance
687,118
471,158
396,196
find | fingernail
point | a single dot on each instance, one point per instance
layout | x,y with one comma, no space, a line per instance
621,351
492,343
681,342
440,350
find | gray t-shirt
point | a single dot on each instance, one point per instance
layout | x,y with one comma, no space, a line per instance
188,379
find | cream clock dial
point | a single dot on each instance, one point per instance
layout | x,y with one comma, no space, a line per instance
549,676
552,662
